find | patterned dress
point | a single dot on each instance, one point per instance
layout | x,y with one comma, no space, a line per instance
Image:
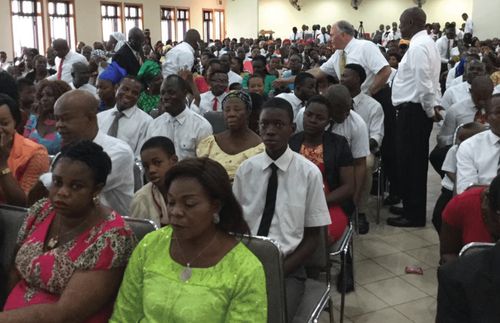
45,274
51,141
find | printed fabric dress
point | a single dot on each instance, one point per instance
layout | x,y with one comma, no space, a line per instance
45,274
51,141
232,291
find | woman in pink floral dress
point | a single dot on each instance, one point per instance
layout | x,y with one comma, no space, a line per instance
72,251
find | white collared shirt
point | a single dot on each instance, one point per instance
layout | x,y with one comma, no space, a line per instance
469,26
119,189
372,113
323,38
178,58
131,127
387,36
358,51
454,94
451,76
417,79
449,166
353,128
459,113
477,160
87,87
233,77
70,58
443,44
295,37
186,130
148,203
457,80
294,101
300,199
207,103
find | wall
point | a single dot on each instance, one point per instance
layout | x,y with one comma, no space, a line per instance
280,16
6,29
485,18
242,18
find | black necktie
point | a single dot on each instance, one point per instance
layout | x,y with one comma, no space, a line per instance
267,215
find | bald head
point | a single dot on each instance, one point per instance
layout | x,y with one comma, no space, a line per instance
192,38
412,21
60,47
80,73
481,91
136,38
340,102
75,112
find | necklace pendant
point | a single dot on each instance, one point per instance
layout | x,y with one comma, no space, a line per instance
52,242
186,273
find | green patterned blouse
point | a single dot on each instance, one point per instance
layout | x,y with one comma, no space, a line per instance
148,102
234,290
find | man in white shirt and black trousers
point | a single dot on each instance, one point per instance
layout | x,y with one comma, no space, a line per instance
415,93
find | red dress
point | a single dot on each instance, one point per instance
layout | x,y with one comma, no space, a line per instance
337,215
463,213
45,274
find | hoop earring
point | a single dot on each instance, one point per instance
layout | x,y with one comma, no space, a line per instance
96,200
216,219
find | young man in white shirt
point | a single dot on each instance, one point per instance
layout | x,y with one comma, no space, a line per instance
81,75
126,121
478,157
468,29
75,112
65,58
305,87
387,36
415,93
323,37
180,124
282,196
461,91
225,62
212,100
181,57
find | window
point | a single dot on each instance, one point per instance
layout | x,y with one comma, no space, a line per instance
111,19
27,25
207,25
133,17
182,23
167,23
62,21
214,25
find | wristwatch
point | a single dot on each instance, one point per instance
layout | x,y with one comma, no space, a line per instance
5,171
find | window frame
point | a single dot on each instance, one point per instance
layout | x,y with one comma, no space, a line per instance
120,22
39,31
175,20
71,42
211,34
140,18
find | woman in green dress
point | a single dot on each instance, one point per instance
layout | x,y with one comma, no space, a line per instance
150,76
193,270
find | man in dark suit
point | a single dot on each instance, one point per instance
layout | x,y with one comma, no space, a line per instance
130,56
469,289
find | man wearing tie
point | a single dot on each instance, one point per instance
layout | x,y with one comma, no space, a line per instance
212,100
65,58
445,45
130,56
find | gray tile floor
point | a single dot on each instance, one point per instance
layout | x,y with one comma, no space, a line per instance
384,293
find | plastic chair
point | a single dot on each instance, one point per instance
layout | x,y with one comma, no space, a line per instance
11,220
342,247
269,254
377,170
216,119
474,247
138,175
140,227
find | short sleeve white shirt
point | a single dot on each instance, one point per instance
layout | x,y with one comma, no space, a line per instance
70,58
294,101
300,199
178,58
449,166
207,103
459,113
373,115
455,94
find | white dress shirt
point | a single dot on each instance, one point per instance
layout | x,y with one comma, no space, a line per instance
391,77
477,160
449,166
353,128
149,203
358,51
186,130
457,80
454,94
131,127
178,58
294,101
300,199
372,113
387,36
459,113
451,76
469,26
233,77
445,46
70,58
119,189
87,87
295,37
323,38
207,103
417,79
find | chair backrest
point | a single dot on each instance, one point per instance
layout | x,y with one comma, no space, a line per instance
320,257
216,119
269,254
11,219
474,247
140,227
138,175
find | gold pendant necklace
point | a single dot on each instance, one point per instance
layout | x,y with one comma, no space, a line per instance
54,241
187,272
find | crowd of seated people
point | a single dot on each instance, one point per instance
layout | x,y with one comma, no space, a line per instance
306,118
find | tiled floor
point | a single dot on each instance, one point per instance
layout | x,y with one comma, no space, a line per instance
383,292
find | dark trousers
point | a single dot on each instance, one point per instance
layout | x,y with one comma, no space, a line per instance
412,144
437,157
388,148
442,201
294,288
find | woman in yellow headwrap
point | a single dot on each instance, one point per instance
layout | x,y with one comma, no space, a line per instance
150,75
